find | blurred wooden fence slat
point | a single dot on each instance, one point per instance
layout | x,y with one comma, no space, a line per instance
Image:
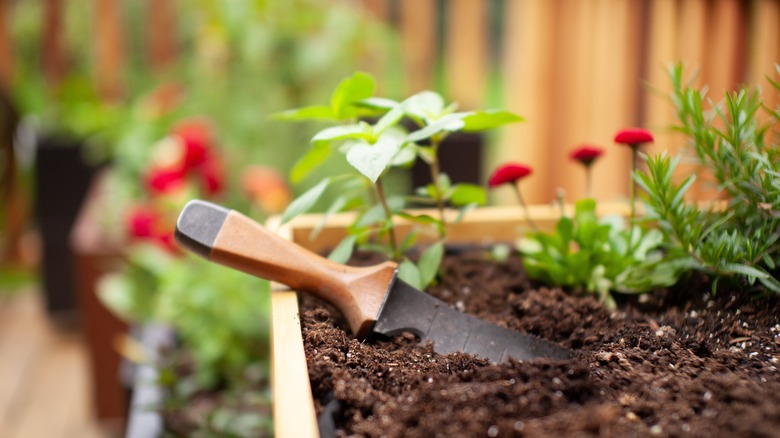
53,51
466,52
418,42
109,50
162,32
6,54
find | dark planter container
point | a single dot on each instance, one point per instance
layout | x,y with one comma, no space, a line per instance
62,178
460,157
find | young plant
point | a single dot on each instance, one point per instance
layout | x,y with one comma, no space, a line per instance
585,253
736,141
372,137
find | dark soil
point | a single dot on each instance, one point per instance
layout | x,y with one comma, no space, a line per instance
659,367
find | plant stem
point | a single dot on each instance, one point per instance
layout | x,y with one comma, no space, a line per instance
634,152
588,180
435,142
525,208
389,215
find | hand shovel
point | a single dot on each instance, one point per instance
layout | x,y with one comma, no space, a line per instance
372,299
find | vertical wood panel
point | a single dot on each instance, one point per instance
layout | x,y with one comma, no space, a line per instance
109,53
764,48
571,120
418,42
52,51
161,32
466,52
528,67
378,9
615,84
6,53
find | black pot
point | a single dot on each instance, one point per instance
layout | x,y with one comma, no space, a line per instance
62,177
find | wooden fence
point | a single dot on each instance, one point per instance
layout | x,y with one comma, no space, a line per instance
578,70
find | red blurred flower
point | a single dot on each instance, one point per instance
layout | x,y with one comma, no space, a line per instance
212,175
163,180
509,173
633,136
196,134
586,154
140,222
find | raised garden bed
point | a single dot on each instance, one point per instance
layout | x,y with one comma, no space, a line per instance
658,365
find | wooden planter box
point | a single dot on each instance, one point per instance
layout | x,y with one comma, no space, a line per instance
294,414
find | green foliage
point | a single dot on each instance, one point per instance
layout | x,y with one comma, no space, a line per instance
371,135
598,255
736,140
222,315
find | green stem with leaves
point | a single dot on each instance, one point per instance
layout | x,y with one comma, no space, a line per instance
435,142
389,215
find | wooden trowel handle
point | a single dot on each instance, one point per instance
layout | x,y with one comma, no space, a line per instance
232,239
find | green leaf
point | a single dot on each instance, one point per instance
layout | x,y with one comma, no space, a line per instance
372,160
746,270
425,106
484,120
343,251
428,266
307,113
464,194
390,118
377,212
361,131
409,273
449,123
306,201
315,156
358,87
377,103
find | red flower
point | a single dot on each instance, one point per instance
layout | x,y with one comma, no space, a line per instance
633,136
586,154
195,133
164,180
141,222
212,175
509,173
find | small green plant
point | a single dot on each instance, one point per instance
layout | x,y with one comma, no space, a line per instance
371,135
737,141
592,254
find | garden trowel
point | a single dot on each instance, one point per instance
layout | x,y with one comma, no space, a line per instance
373,299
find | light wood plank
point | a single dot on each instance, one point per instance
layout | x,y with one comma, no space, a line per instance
466,52
528,71
294,415
418,42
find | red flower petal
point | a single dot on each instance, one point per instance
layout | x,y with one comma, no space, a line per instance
586,154
163,180
140,222
212,176
509,173
633,136
196,135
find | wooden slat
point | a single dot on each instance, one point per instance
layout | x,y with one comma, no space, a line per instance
53,50
527,69
6,52
765,48
161,18
109,50
466,52
418,43
294,415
